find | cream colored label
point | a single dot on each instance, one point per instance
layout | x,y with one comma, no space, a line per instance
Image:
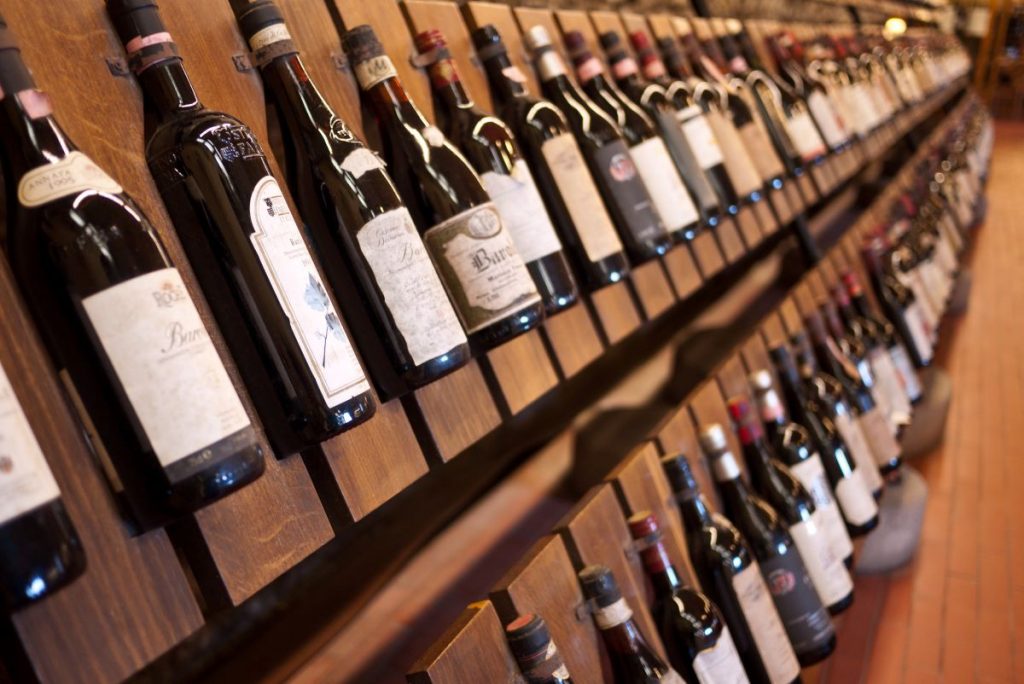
720,664
828,574
828,120
374,71
661,177
582,199
361,161
484,274
163,357
769,634
738,164
855,499
805,136
879,435
71,175
303,298
275,33
766,161
522,210
412,290
613,615
859,448
811,474
919,331
25,478
700,136
888,382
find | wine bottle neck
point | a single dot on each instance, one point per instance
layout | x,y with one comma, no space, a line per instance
169,90
616,623
447,86
694,510
390,101
506,79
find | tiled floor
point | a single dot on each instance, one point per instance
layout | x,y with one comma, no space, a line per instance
957,614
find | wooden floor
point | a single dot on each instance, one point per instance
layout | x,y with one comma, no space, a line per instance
957,615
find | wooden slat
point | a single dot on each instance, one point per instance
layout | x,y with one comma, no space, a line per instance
544,582
791,316
679,434
573,339
732,377
755,355
729,231
595,532
749,221
773,330
683,271
708,406
707,253
472,650
615,311
457,409
523,370
652,288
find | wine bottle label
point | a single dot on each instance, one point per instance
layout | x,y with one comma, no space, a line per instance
275,33
582,199
919,331
692,173
666,188
479,264
361,161
410,285
25,479
629,192
671,677
828,574
855,499
303,298
879,435
805,136
68,176
907,373
860,449
827,119
169,371
522,211
613,615
888,382
803,615
811,474
374,70
759,147
765,626
738,165
700,136
721,663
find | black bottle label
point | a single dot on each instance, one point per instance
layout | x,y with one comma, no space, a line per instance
629,192
807,622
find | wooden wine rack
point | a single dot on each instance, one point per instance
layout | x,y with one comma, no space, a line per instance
145,593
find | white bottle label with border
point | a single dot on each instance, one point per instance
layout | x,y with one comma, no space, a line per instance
661,177
720,664
522,209
765,625
811,473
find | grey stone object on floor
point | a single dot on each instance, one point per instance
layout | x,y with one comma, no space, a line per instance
924,434
894,542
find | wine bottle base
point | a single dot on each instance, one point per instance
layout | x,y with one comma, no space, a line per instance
228,476
41,552
840,606
861,530
507,329
815,656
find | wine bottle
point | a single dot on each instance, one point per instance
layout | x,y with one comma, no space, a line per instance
494,153
795,447
568,188
900,306
494,295
632,660
600,139
115,314
647,151
730,576
264,286
361,229
852,492
537,656
696,638
669,102
780,488
40,551
897,351
831,395
885,449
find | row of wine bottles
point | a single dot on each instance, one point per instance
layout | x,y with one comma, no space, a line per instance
773,564
452,247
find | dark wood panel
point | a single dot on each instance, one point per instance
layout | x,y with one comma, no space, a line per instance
707,253
458,410
774,330
682,270
595,532
472,650
573,339
732,377
544,582
615,311
523,370
779,200
652,288
750,221
729,234
791,316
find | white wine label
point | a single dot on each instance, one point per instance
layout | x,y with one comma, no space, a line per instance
166,363
827,119
907,373
860,449
828,574
769,634
759,148
919,331
73,174
671,677
410,285
738,164
811,474
522,210
25,479
879,435
888,381
582,199
433,136
303,298
700,136
612,615
855,499
659,174
480,266
720,664
805,136
361,161
275,33
374,71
